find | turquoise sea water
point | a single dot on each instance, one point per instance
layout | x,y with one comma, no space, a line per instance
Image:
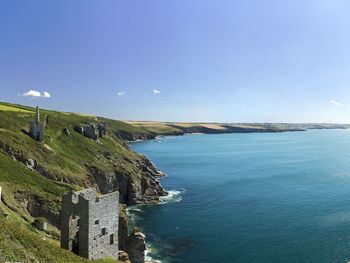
273,197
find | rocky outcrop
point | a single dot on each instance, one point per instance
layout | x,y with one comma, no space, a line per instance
135,136
92,131
123,227
66,132
142,187
39,207
136,246
123,257
29,163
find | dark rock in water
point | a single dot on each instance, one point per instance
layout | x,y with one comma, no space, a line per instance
66,132
136,246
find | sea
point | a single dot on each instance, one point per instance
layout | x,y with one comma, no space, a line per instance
249,197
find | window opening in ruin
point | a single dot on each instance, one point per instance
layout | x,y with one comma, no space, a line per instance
104,231
111,239
38,136
75,243
74,233
97,222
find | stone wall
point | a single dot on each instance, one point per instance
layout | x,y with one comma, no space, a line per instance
89,224
36,130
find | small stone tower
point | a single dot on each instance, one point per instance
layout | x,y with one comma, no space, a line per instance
89,224
36,128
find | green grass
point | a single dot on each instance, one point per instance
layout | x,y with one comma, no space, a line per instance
185,127
19,240
10,108
67,156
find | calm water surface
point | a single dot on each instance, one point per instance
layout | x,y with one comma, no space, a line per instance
274,197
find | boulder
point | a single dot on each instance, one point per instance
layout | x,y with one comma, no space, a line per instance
136,246
40,223
92,130
123,256
66,132
102,129
30,163
123,227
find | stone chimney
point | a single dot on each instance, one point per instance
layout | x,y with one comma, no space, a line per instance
37,117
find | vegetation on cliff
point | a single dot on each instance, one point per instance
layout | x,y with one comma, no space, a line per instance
34,176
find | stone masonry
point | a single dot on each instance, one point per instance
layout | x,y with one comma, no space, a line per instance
89,224
36,128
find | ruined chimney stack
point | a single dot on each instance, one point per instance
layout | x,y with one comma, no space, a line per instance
37,117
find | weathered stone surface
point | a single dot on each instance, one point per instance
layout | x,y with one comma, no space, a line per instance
141,189
102,129
30,163
66,132
89,224
124,257
40,223
92,130
136,246
123,227
39,208
36,128
108,155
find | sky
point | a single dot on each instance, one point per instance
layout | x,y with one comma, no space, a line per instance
179,60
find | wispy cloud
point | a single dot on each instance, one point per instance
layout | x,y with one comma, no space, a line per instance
121,93
156,91
36,94
337,103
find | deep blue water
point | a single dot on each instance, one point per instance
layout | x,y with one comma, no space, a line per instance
273,197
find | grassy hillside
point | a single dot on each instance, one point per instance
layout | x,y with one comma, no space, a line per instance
19,239
179,128
68,162
66,156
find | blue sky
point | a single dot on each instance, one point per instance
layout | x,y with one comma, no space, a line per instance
179,60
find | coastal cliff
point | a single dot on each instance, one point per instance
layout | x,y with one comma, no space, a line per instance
77,152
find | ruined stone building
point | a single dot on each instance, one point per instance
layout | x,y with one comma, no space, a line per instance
36,128
89,224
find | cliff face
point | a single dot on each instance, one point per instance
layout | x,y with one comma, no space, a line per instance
140,188
84,151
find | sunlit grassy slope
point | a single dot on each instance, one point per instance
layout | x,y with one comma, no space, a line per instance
19,240
177,128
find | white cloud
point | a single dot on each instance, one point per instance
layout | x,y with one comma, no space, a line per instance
337,103
156,91
36,94
31,93
121,93
46,95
